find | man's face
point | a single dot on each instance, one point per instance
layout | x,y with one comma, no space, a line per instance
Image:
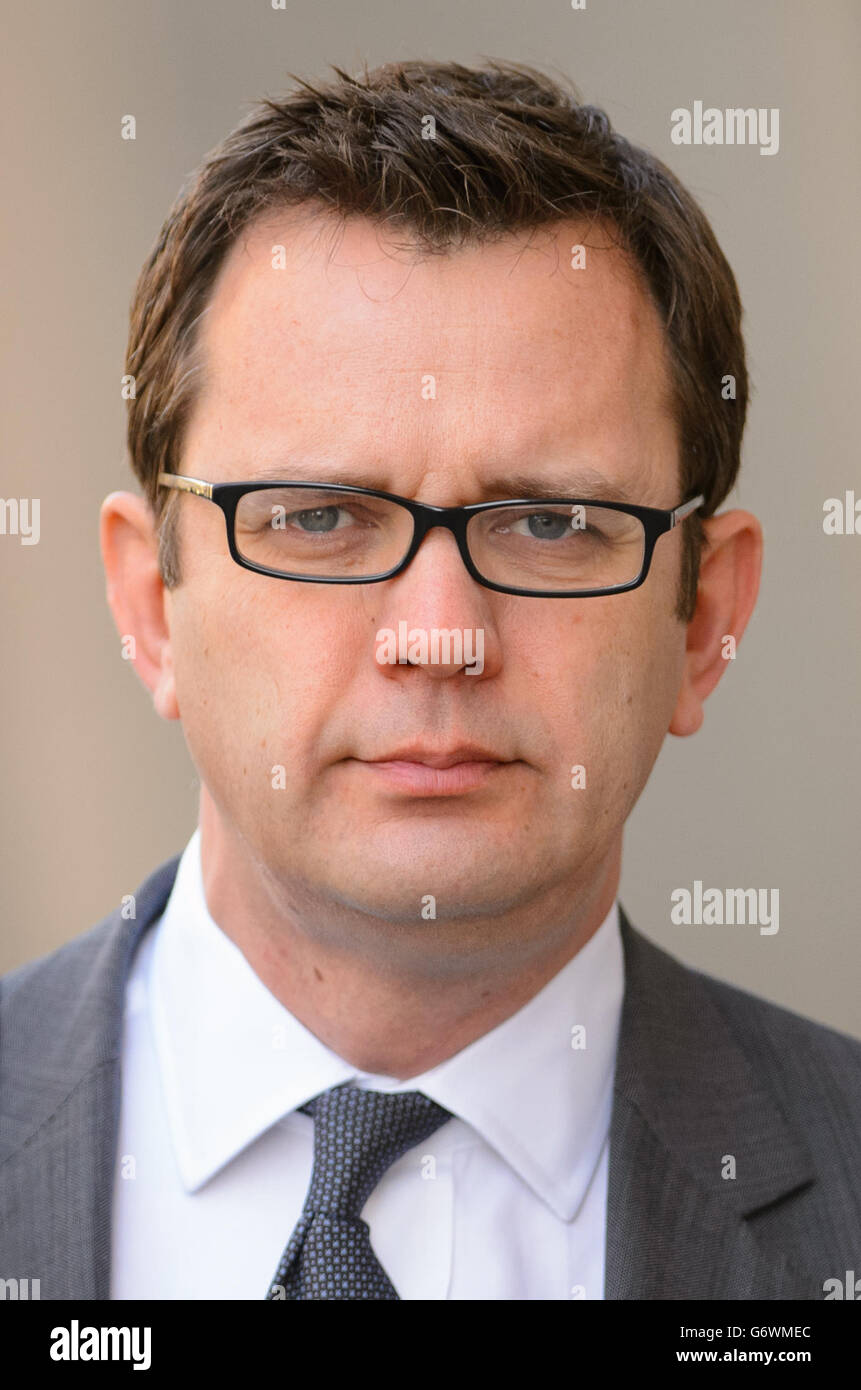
320,371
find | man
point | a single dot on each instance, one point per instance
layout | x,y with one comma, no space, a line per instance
383,1031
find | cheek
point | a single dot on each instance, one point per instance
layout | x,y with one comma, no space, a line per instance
255,677
607,692
219,654
220,699
639,687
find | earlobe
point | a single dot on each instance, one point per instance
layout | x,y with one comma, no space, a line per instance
689,713
136,595
688,716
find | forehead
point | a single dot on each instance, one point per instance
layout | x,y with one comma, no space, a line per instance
315,323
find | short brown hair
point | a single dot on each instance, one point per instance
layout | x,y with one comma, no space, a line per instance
512,150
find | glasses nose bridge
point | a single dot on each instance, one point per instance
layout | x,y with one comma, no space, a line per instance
429,518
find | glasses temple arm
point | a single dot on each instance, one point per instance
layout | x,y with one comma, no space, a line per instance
679,513
196,485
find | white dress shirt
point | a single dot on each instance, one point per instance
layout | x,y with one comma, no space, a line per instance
505,1201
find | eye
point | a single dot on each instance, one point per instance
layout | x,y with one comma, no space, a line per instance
543,525
547,526
319,519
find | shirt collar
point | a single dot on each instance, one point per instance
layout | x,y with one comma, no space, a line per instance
233,1061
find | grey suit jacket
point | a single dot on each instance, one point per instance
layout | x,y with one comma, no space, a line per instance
704,1072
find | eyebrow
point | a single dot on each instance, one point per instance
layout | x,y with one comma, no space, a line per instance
586,483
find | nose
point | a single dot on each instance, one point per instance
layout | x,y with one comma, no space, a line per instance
437,617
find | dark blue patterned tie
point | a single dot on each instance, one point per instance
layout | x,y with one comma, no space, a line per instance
357,1136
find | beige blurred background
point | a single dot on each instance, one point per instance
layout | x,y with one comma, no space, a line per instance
97,790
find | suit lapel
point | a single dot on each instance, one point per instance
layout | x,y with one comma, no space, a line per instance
60,1087
56,1195
687,1106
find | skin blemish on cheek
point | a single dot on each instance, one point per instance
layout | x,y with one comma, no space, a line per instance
317,973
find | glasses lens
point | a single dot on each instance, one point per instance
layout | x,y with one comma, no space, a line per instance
315,533
557,546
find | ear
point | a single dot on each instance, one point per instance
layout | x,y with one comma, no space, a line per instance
726,594
136,593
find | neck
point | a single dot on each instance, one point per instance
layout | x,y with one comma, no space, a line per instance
395,1005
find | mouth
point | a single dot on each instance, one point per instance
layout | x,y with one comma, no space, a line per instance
437,772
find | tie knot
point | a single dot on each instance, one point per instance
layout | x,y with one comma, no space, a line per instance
357,1136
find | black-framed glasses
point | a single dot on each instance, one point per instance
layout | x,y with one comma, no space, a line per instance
329,533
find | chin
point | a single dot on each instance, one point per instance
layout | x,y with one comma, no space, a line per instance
425,890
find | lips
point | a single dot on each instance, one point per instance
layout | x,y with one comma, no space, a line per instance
421,770
440,758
